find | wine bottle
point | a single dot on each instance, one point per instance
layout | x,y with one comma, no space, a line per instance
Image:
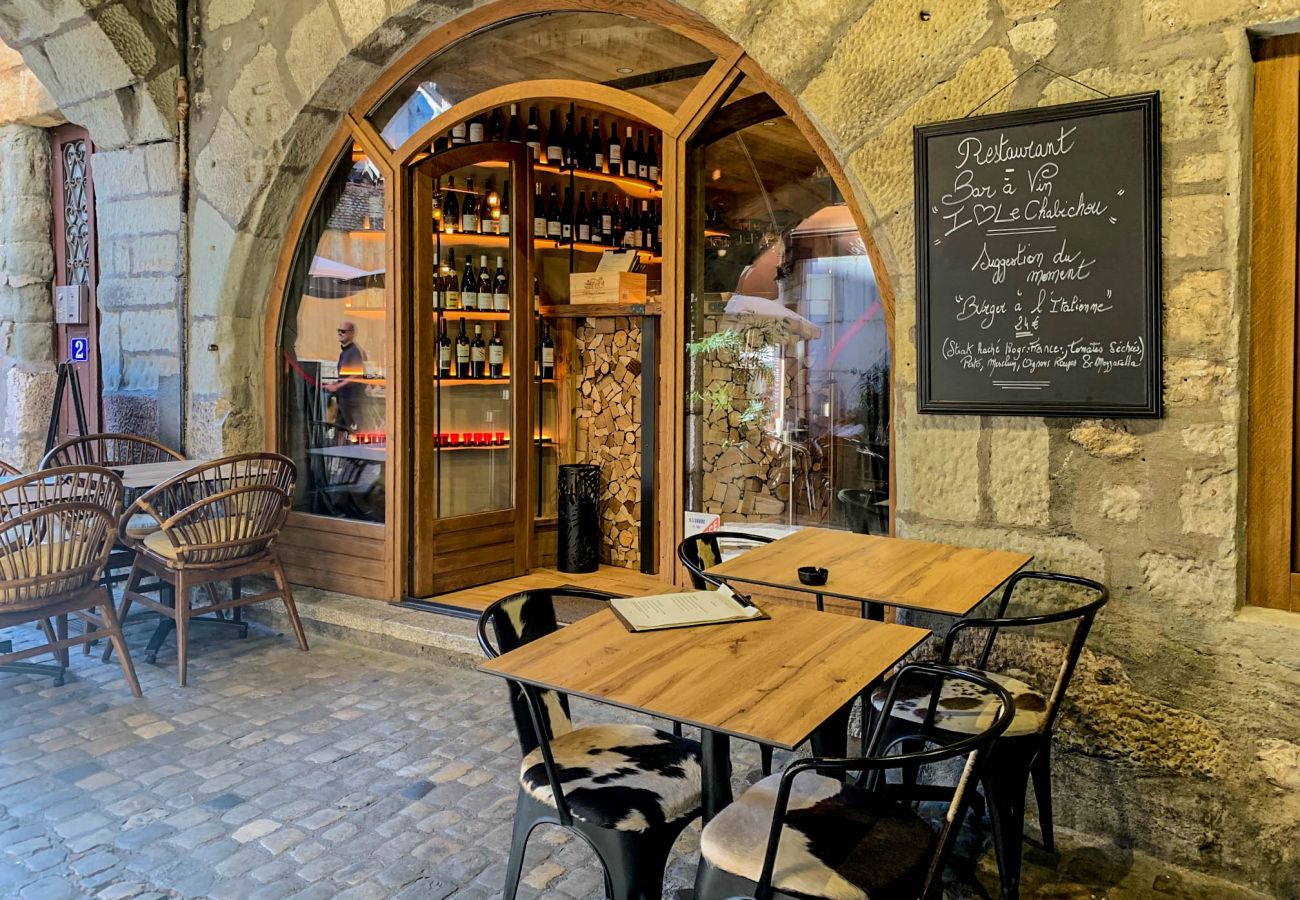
653,161
569,142
606,225
554,139
496,354
451,208
647,227
451,284
487,223
537,293
582,221
484,284
514,134
642,162
614,158
533,134
583,138
496,127
547,351
554,229
501,288
597,147
458,134
476,130
630,237
659,227
478,354
629,156
462,353
566,217
440,143
469,212
469,286
616,224
437,204
444,352
503,220
539,213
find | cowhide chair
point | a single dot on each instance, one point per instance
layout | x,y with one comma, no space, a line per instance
1025,749
702,551
627,790
802,833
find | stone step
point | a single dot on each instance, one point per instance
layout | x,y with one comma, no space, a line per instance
374,624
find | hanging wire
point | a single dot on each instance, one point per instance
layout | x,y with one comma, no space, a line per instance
1035,65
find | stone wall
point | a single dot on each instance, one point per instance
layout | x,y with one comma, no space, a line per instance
26,312
1187,745
112,67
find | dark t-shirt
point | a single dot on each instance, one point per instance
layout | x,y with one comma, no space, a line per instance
352,364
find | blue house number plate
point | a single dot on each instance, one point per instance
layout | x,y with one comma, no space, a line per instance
80,349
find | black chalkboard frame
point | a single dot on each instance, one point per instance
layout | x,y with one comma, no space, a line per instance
1149,407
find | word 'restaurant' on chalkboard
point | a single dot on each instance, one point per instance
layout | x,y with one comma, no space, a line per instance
1038,267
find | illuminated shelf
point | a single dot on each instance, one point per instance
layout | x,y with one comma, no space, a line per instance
642,190
462,239
488,315
468,382
506,446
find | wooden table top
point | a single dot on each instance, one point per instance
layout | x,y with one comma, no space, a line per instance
773,681
149,475
361,452
890,571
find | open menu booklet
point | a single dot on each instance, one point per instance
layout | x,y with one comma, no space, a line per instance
660,611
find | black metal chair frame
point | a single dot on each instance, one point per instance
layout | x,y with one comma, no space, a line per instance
1017,758
633,861
713,883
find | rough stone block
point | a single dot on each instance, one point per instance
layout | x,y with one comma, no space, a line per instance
123,29
1105,441
1208,502
257,100
1020,485
1023,9
27,341
815,21
940,467
1120,503
226,168
1198,307
1190,381
142,215
160,166
860,88
220,13
361,17
154,253
1204,587
1034,39
30,303
149,329
1209,440
315,47
1051,552
1200,167
102,117
120,173
29,398
27,263
86,63
1194,226
138,292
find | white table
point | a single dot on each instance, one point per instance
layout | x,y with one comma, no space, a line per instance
149,475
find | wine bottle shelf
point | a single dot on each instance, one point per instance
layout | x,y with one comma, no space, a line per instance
483,315
470,382
464,239
633,187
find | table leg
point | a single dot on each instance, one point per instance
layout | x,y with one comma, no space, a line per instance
715,763
831,739
873,611
821,603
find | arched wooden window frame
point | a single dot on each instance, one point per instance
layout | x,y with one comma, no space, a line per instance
677,127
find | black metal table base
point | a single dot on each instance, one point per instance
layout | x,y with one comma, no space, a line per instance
59,673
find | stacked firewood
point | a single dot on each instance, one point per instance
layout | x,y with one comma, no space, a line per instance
608,414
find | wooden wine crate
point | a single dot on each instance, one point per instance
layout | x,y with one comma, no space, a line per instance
607,287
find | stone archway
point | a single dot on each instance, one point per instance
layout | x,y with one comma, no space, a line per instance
112,68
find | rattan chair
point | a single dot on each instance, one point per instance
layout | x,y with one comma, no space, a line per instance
108,449
6,469
55,539
217,522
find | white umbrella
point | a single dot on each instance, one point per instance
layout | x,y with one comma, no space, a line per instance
742,305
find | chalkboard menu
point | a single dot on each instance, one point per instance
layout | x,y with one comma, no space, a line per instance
1038,261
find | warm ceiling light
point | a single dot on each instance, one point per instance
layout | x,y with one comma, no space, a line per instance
771,123
715,174
623,70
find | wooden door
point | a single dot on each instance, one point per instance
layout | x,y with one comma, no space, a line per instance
473,479
76,270
1273,538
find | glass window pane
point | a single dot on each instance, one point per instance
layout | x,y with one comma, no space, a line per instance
595,47
335,344
788,354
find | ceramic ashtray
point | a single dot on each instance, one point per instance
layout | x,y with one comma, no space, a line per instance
813,575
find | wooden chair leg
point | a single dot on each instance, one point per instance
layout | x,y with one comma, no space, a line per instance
61,623
115,639
182,612
132,584
282,583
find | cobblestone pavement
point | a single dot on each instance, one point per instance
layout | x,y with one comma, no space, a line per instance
343,772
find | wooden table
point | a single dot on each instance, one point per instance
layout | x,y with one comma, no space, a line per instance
779,681
150,475
877,571
360,452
